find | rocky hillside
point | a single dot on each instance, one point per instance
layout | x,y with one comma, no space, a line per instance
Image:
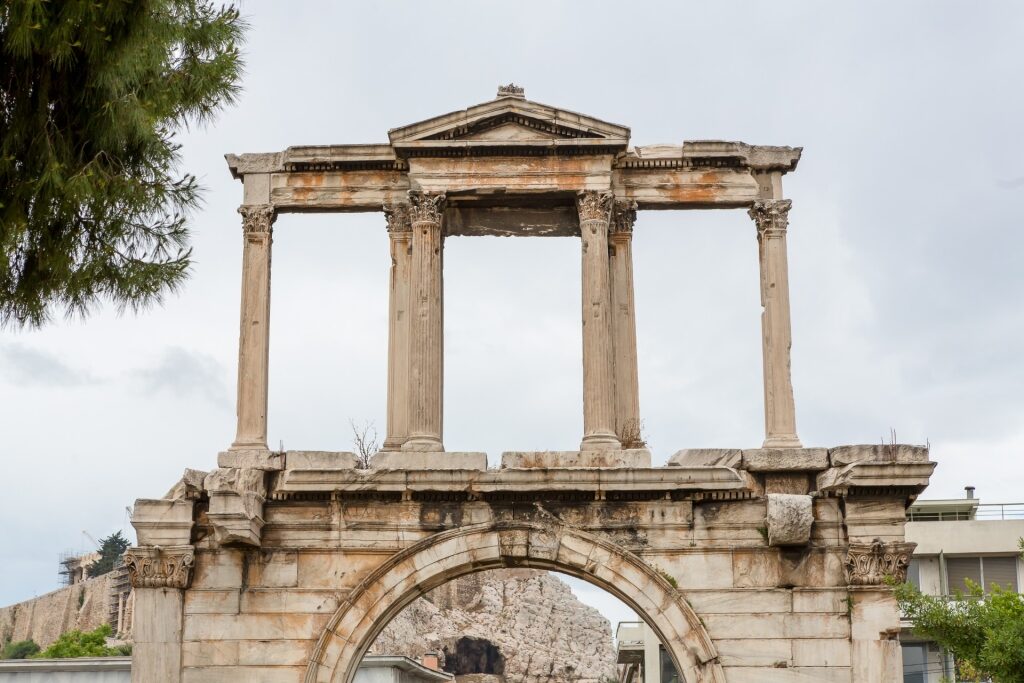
514,624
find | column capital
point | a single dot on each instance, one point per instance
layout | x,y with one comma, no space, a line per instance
426,207
869,564
257,218
771,217
160,567
398,217
623,217
594,205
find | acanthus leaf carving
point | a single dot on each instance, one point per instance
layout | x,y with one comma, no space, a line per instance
870,564
426,207
771,217
593,205
398,217
258,218
160,567
623,216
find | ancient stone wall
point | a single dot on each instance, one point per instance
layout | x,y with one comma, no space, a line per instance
83,606
526,621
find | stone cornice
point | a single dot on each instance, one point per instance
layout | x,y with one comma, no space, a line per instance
870,564
160,567
771,217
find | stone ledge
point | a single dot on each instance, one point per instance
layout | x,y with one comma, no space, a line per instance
840,456
162,522
251,459
632,458
425,460
319,460
785,459
707,457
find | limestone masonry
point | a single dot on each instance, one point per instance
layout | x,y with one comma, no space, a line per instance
763,564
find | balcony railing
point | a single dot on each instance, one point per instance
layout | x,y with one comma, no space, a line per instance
984,511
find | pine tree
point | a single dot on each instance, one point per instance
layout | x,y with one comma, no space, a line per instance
111,548
92,93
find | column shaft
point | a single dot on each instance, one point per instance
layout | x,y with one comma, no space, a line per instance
254,333
598,361
426,324
627,388
399,235
772,219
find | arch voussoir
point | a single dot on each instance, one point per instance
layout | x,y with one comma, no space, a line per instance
440,558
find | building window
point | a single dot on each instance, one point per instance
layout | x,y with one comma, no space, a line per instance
984,571
915,663
668,670
914,574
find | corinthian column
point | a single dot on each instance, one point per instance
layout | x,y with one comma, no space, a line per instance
772,219
400,236
426,325
254,335
598,363
623,319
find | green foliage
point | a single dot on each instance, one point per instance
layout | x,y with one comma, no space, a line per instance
111,548
82,644
22,649
984,632
92,94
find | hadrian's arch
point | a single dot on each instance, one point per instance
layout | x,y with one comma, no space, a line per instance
752,562
552,546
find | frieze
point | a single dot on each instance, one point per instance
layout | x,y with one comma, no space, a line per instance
771,217
870,564
157,567
426,207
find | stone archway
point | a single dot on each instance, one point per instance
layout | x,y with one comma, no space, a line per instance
448,555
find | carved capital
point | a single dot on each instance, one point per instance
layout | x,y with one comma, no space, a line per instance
868,564
623,217
593,205
160,567
426,207
398,217
257,219
511,90
771,217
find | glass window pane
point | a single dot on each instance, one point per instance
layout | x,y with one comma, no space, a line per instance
668,670
915,663
958,569
914,573
1001,571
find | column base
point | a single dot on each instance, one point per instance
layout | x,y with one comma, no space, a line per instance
423,444
393,444
600,442
782,441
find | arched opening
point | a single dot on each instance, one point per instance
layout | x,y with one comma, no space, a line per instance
436,560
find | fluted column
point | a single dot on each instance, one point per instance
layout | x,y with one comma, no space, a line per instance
426,324
400,237
598,363
623,318
772,219
254,334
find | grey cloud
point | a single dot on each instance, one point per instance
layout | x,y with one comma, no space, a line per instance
184,374
24,366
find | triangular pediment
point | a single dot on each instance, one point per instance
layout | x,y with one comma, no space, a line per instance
510,119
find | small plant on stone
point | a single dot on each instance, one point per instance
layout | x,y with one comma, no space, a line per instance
364,442
631,434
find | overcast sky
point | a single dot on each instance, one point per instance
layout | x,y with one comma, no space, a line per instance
905,248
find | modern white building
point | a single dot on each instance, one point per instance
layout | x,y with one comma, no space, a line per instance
956,540
641,656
